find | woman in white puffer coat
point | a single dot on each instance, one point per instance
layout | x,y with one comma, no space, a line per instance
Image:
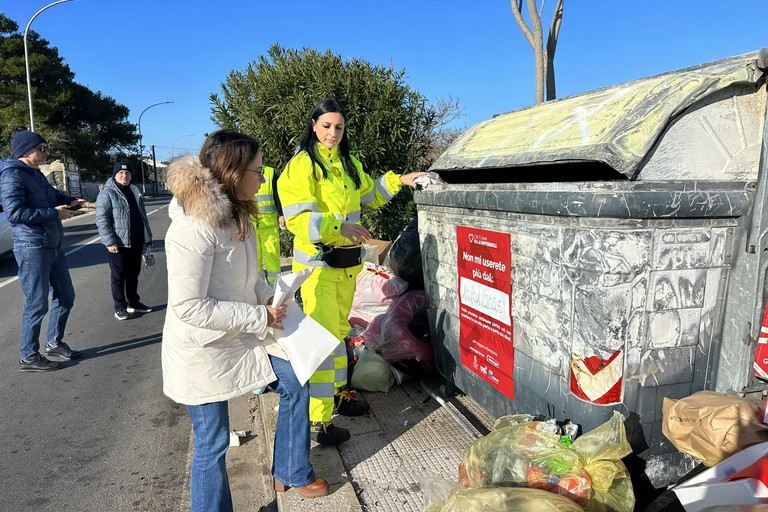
216,340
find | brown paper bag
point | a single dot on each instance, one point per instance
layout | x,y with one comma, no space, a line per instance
712,426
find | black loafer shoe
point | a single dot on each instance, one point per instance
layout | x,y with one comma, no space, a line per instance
62,350
39,364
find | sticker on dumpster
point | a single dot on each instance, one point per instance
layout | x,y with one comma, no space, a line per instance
597,380
760,367
485,313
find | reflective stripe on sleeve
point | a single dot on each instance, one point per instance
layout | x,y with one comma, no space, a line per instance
381,186
369,197
354,216
313,228
295,209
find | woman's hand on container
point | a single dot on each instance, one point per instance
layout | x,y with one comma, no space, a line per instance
408,179
355,232
275,315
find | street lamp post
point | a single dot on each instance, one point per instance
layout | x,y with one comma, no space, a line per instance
141,147
26,62
177,138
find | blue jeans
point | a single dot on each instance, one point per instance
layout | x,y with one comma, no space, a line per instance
42,271
209,483
210,422
290,464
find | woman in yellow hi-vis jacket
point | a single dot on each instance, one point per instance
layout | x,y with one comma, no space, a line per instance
322,190
266,224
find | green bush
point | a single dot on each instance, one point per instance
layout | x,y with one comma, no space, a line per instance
390,125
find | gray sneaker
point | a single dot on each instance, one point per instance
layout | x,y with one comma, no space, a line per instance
39,364
62,350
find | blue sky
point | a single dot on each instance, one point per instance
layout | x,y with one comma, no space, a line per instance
142,52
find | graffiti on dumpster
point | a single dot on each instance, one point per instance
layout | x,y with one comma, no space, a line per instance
597,380
485,314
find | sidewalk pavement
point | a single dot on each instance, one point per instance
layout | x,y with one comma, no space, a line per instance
407,443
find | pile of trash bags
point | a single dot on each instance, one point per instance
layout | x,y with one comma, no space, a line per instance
404,258
569,472
389,342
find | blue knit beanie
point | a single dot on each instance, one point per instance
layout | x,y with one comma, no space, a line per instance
119,166
24,141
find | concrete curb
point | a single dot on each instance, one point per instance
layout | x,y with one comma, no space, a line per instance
326,460
248,465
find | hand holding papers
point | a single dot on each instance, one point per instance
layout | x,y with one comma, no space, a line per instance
306,342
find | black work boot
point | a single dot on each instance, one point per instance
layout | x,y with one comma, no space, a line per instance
327,433
347,405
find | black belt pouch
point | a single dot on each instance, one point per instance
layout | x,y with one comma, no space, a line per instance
341,257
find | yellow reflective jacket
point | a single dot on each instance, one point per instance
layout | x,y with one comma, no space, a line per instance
266,220
315,207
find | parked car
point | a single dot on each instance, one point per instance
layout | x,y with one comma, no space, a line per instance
6,241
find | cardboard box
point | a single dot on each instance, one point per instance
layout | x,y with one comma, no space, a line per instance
708,488
382,248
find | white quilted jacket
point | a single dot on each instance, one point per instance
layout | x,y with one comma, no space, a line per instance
215,337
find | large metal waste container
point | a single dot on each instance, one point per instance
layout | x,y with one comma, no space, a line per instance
606,250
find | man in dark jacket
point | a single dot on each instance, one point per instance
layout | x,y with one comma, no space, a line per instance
124,229
35,210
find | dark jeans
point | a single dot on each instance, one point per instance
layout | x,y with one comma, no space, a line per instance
42,271
125,267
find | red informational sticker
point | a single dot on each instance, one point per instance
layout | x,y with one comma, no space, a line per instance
760,367
485,306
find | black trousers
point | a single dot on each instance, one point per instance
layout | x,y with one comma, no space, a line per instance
125,267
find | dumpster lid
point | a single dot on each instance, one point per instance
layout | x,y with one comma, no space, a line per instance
617,125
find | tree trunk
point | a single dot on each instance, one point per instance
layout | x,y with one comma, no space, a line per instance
554,32
544,58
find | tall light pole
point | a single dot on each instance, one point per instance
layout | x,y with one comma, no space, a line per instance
141,147
26,62
177,138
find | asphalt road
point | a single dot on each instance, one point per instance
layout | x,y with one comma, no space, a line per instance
97,435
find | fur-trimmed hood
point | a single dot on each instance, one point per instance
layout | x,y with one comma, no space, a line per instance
198,194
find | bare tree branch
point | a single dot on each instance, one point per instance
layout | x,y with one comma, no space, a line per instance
549,55
517,5
554,30
544,57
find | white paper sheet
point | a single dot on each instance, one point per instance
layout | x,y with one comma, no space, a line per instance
306,342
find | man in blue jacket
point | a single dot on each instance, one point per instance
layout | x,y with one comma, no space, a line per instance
35,210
